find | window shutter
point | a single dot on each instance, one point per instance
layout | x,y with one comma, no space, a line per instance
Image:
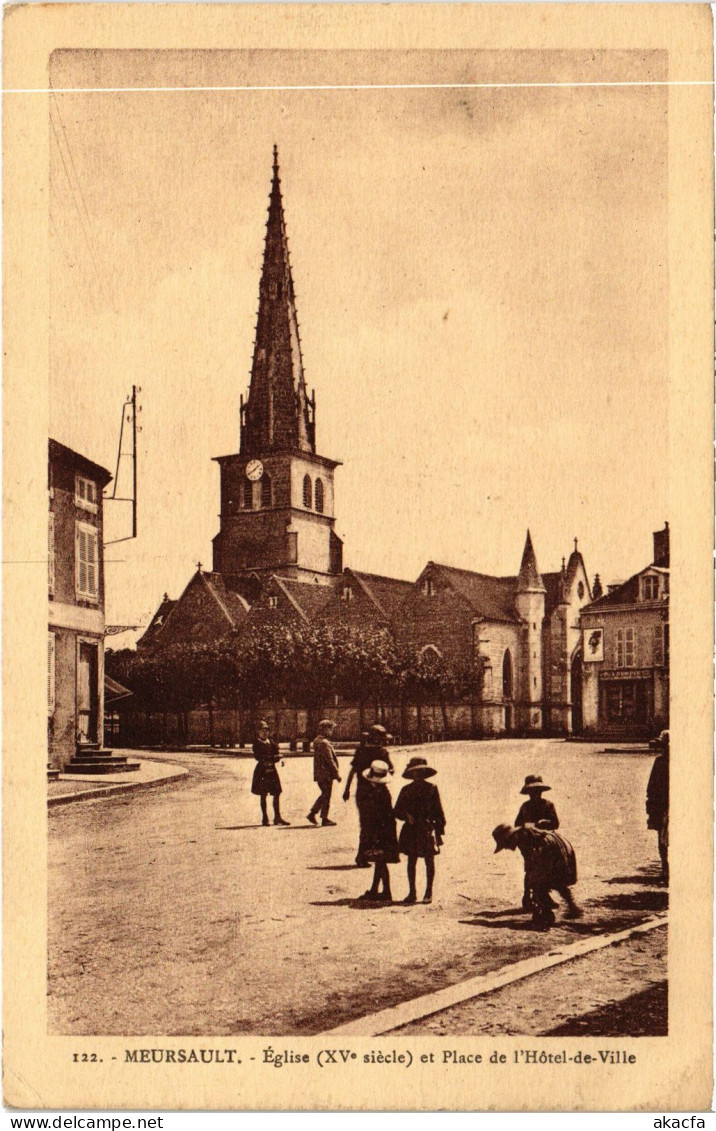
92,564
50,673
87,562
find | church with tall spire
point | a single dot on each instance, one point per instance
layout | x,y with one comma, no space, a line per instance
277,493
278,561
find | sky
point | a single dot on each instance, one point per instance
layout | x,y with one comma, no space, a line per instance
482,289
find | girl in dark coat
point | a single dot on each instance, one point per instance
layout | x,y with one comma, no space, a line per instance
380,844
266,780
419,806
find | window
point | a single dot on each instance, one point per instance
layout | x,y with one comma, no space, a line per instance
266,495
580,590
247,498
650,588
307,492
347,594
50,673
273,602
86,494
626,648
428,587
51,554
86,562
657,651
507,675
319,496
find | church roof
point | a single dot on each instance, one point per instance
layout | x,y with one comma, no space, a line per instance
490,597
277,415
387,593
310,600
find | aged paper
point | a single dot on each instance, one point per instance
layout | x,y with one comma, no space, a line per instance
500,220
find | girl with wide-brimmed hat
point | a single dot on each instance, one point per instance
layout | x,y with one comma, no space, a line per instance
538,812
380,843
419,806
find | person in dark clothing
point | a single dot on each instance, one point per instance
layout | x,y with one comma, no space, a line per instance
550,865
657,801
371,749
325,771
380,844
266,780
419,806
537,811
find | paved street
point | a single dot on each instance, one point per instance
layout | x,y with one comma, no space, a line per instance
172,911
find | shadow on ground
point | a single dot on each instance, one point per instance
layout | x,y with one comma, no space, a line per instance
614,912
642,1015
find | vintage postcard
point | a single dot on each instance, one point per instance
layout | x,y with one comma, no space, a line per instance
357,571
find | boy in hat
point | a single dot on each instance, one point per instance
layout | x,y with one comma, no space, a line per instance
537,811
550,864
325,771
419,806
380,844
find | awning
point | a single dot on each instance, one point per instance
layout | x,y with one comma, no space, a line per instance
114,690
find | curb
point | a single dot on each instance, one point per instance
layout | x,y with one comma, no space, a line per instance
389,1020
115,788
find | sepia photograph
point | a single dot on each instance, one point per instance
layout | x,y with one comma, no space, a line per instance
359,503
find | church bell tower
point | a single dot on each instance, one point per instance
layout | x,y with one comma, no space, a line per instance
277,499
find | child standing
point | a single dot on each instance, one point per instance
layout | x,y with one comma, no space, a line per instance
380,844
420,808
540,813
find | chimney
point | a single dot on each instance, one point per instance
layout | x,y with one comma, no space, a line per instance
661,547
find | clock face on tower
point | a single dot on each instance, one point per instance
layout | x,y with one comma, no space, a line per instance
254,470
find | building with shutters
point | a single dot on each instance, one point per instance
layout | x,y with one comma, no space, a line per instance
625,640
75,643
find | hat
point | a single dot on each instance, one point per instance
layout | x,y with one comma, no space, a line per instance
377,771
326,723
534,782
418,768
663,740
376,728
263,724
502,834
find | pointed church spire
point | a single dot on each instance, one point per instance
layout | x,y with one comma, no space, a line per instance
529,577
278,415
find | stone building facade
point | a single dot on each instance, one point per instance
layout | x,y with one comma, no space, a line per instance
626,653
75,643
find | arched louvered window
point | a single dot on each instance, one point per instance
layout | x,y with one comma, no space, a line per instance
507,687
266,494
307,492
248,494
319,495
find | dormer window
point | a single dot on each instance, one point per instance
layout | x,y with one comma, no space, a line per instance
650,587
86,494
273,602
347,594
428,587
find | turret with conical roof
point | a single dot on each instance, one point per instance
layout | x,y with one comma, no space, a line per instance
278,415
529,578
530,604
